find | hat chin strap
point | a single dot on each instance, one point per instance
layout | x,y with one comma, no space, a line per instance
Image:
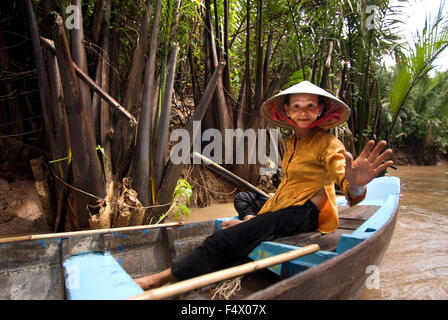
278,116
335,115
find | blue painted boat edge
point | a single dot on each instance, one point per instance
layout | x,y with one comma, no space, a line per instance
383,192
368,228
267,249
97,276
379,189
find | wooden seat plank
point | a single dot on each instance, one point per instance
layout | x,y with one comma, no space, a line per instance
350,224
358,212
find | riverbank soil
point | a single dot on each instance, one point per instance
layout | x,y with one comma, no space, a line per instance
416,156
212,197
20,209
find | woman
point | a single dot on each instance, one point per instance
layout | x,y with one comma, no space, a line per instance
305,200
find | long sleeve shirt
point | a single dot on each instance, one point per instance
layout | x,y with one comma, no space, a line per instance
310,164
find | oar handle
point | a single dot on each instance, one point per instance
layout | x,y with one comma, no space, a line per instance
207,279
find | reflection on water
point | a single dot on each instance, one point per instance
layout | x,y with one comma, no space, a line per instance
416,264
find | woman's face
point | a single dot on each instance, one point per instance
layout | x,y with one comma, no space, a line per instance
303,109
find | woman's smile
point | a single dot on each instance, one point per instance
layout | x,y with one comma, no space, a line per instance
303,109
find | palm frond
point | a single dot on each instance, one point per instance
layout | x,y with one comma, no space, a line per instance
428,46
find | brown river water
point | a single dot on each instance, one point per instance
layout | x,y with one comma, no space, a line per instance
415,265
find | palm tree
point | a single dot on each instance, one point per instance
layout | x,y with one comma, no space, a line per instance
422,124
427,47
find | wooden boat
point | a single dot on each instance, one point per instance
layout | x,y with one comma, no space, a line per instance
100,264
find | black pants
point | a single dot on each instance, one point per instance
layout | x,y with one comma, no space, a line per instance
229,247
248,203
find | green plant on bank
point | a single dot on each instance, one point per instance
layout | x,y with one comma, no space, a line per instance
181,197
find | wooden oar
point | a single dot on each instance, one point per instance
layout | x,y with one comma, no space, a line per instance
86,232
229,175
207,279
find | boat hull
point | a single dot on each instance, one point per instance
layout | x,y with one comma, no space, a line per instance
34,269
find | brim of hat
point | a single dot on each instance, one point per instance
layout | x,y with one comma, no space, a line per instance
332,104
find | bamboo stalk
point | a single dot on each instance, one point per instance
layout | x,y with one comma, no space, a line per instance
207,279
86,232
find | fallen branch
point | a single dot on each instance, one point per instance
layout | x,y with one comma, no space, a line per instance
229,175
49,44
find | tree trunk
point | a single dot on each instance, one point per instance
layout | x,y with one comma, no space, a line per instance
142,155
87,173
219,98
242,106
260,61
266,73
60,127
42,76
79,57
226,74
123,143
98,20
172,173
161,148
247,72
324,82
194,79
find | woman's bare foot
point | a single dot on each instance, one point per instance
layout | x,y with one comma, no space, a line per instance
230,223
155,280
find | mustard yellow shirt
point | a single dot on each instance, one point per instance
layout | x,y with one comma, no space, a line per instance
310,164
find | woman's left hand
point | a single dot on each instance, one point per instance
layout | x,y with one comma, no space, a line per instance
368,165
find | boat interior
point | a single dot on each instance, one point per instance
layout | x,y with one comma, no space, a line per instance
350,219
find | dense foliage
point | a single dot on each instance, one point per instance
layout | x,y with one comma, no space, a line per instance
217,59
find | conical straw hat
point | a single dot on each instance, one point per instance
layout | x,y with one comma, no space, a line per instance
336,111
